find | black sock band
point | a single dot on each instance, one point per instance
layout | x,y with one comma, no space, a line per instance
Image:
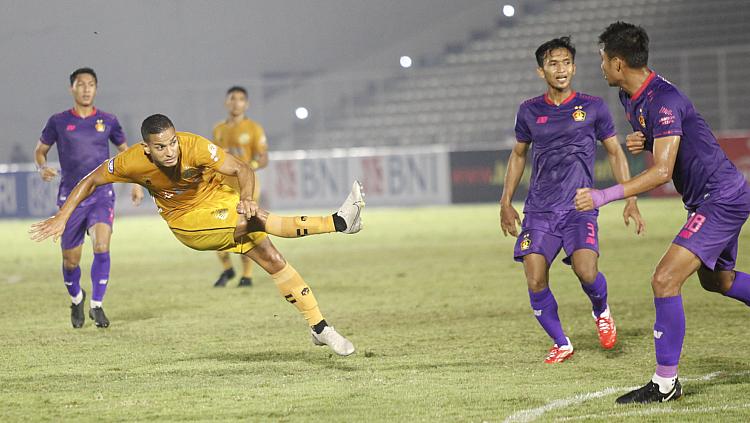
320,326
339,223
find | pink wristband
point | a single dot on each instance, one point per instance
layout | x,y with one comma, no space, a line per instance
602,197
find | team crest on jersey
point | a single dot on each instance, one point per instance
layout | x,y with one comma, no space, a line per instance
190,173
579,115
641,119
526,243
244,138
99,125
111,166
221,214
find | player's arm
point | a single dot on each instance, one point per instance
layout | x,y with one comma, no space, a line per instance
665,154
136,192
40,158
620,169
55,225
232,166
260,159
516,165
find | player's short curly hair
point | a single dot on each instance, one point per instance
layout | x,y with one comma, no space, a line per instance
155,124
237,89
80,71
626,41
546,48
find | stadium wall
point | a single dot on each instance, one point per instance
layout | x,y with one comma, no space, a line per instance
302,180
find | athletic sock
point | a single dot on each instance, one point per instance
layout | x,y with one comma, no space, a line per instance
740,289
666,384
669,333
72,279
78,298
597,292
545,310
299,226
294,289
99,276
318,327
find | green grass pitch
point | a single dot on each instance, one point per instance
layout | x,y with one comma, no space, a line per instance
431,298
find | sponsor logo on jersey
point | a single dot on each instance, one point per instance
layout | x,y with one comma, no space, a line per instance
100,125
541,120
190,173
579,115
70,128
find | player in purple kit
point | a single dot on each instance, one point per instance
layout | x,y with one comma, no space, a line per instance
714,192
562,128
81,135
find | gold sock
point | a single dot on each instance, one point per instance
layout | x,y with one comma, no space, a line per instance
298,226
294,289
247,267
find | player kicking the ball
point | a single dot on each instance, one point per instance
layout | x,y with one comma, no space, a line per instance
185,173
714,192
562,127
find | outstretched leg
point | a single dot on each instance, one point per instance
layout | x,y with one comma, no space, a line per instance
347,220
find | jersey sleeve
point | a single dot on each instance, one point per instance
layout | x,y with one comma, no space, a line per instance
49,133
216,135
604,127
206,154
118,168
117,135
523,134
665,115
260,145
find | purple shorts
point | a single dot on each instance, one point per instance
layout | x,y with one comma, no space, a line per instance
546,233
712,231
100,211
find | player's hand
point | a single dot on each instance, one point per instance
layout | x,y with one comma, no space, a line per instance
51,227
584,200
47,173
631,212
635,142
508,219
136,195
248,207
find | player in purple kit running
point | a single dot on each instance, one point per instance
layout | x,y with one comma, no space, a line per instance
81,135
562,128
714,192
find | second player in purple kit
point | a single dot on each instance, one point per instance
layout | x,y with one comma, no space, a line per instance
562,127
715,194
82,135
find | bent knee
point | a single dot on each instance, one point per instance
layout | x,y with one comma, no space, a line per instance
101,247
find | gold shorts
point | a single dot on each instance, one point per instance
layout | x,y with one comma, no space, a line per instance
212,228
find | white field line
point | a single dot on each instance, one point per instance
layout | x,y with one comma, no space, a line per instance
534,413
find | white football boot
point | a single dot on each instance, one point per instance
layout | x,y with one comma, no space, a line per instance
351,210
333,339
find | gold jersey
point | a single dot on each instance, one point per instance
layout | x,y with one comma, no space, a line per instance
244,140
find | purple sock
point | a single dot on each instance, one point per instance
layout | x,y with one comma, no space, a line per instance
597,292
545,309
740,289
669,331
72,279
99,275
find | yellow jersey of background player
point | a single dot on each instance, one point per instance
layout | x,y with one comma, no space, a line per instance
245,139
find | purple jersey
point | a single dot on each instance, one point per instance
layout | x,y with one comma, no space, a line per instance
82,146
701,170
563,140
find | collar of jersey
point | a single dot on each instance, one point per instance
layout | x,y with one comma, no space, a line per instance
567,100
640,91
74,113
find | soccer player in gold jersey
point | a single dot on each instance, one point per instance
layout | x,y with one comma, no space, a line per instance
186,175
245,139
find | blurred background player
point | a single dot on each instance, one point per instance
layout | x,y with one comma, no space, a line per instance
562,127
81,136
185,174
716,196
246,140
